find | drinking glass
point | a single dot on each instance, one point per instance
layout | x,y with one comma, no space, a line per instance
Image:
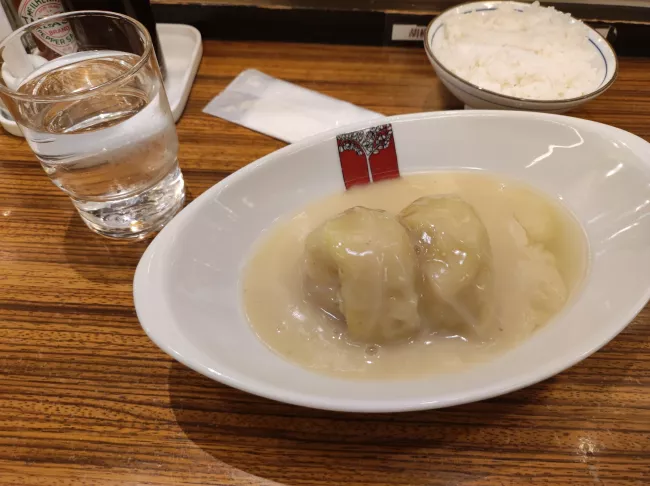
86,90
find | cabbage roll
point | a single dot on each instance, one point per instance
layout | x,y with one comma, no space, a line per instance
454,253
361,268
543,289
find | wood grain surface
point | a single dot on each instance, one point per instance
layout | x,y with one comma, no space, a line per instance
86,399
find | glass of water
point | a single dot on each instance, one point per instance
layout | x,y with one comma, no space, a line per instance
86,90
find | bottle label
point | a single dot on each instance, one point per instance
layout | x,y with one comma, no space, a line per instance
56,35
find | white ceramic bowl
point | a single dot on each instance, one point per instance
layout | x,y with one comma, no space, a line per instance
475,97
187,285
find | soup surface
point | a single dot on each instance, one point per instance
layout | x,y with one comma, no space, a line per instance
513,214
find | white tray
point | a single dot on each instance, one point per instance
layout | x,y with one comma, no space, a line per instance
182,49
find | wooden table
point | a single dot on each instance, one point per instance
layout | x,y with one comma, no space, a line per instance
86,398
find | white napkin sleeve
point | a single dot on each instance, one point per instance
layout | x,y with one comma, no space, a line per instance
282,110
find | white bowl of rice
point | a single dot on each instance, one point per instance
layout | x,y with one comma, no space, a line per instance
512,55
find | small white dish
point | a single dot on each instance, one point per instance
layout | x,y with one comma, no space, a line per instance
187,284
476,97
182,48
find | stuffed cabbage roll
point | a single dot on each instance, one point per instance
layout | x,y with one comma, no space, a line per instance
453,249
361,268
543,289
536,215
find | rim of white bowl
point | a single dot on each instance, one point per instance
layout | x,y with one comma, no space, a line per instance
156,311
448,12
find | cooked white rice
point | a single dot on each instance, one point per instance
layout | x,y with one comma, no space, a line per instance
536,53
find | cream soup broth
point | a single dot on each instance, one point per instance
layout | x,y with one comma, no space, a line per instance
299,331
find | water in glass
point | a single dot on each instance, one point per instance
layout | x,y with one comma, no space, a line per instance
113,148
